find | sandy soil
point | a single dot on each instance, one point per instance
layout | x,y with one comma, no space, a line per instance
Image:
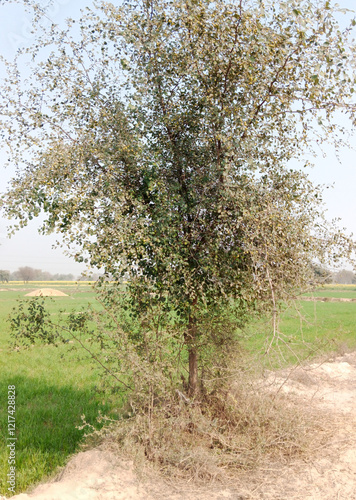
46,292
329,475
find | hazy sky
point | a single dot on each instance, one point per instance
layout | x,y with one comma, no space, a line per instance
27,247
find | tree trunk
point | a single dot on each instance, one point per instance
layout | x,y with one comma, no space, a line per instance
193,387
191,338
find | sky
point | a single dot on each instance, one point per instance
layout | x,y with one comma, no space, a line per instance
28,248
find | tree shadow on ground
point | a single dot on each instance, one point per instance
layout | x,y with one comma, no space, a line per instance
47,420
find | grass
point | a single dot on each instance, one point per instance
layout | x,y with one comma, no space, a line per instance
336,291
309,330
55,386
47,413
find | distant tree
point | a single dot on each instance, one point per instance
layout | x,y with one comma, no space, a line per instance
63,277
27,273
30,274
14,276
344,277
322,275
4,276
44,276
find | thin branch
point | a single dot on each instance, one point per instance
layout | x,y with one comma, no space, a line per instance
92,355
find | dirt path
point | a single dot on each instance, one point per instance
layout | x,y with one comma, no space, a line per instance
329,475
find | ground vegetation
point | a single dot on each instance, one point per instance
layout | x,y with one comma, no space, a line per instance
156,137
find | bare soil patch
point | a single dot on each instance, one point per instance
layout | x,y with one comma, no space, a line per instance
329,474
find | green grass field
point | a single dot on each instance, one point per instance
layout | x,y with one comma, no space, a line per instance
56,385
309,330
337,291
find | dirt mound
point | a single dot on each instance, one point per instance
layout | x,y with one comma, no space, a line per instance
101,475
46,292
329,474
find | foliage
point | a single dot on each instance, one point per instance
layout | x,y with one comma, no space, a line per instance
156,138
322,275
30,321
344,277
4,275
28,273
55,388
227,431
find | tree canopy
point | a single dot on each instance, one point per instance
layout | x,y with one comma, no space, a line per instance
156,136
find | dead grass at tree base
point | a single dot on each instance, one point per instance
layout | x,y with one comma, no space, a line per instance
222,437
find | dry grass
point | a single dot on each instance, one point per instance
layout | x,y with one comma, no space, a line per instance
221,437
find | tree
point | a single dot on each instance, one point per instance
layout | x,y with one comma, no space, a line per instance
344,277
4,276
322,275
27,273
158,143
63,277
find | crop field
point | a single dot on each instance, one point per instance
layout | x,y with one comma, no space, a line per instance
335,291
53,389
55,386
307,329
